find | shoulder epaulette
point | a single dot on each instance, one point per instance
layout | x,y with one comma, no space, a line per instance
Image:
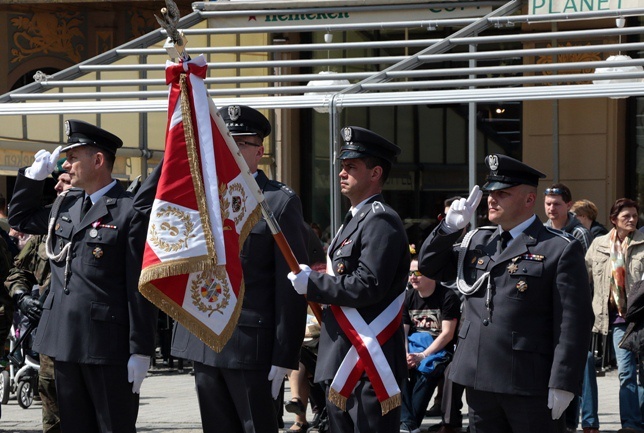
568,237
377,206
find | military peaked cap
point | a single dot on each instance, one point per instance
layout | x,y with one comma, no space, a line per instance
360,142
506,172
81,133
244,120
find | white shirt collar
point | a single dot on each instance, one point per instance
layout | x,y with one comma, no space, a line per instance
354,209
101,192
516,231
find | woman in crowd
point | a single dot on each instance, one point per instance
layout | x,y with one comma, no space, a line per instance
615,263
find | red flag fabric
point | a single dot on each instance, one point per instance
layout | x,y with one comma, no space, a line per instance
203,211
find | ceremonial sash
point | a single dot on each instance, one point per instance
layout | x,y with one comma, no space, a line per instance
366,355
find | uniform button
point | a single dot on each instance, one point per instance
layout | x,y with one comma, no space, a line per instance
113,317
66,290
486,322
260,321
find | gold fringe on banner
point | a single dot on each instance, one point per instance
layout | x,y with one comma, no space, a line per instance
391,403
387,405
195,167
337,399
176,267
201,331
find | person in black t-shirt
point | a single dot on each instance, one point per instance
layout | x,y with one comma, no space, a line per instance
430,309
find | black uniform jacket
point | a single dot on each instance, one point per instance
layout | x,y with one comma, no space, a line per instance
370,260
99,316
537,335
272,322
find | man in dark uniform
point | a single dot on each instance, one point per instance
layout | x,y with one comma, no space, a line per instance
527,317
95,324
367,267
31,269
237,386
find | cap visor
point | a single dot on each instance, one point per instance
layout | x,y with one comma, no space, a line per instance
495,186
71,146
350,154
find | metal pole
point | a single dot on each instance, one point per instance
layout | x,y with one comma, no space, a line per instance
555,120
471,136
333,166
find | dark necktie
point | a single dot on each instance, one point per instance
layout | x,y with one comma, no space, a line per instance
506,237
347,218
87,204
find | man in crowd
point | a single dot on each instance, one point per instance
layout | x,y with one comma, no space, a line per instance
31,269
365,283
95,324
527,317
557,204
558,207
237,387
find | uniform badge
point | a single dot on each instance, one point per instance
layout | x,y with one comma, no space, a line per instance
480,262
522,286
93,233
97,252
347,134
493,162
234,111
57,226
513,267
340,268
67,128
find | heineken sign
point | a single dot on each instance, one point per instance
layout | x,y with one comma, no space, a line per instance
354,16
544,7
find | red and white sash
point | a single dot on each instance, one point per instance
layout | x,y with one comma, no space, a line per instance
366,355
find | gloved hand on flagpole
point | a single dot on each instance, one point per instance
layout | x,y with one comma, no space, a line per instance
300,281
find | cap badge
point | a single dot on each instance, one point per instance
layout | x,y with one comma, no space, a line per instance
67,128
346,134
493,162
234,111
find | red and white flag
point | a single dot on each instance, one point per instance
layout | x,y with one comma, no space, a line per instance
203,211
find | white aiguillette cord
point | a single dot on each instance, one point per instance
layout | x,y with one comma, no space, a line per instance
64,252
465,288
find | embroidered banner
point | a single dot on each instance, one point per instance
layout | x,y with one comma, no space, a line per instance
203,211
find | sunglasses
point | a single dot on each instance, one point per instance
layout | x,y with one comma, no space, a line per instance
553,191
415,273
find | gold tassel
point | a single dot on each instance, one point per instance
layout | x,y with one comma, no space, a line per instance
391,403
337,399
176,267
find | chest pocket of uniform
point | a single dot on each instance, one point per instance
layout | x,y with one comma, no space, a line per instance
100,246
63,227
522,274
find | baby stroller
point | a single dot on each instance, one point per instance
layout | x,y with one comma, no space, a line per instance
22,376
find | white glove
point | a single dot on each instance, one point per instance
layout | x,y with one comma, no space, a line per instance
301,280
461,211
44,164
137,367
276,377
558,401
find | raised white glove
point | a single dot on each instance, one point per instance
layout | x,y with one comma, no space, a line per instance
43,165
558,401
461,211
276,377
301,280
137,367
